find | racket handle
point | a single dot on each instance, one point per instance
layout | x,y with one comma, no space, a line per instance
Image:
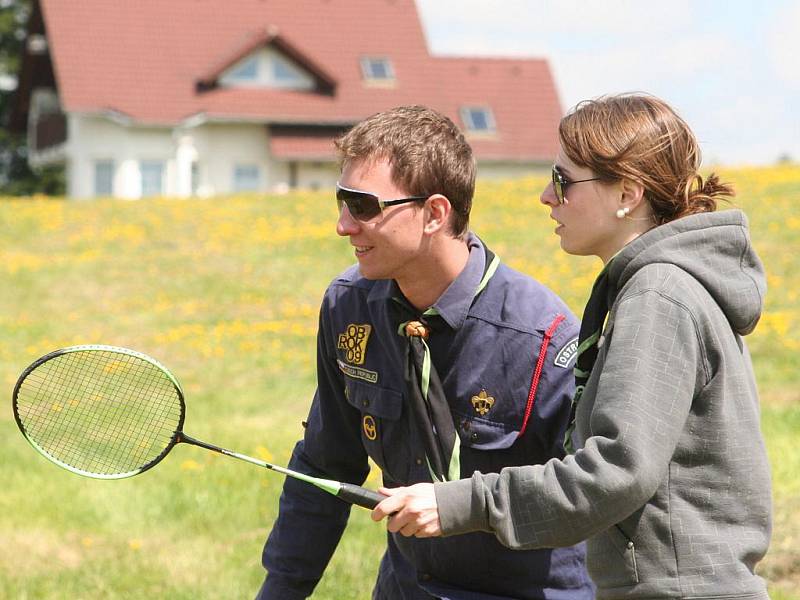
355,494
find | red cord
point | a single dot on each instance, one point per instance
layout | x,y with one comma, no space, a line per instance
538,372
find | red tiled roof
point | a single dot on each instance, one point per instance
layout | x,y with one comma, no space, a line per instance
145,59
295,148
294,143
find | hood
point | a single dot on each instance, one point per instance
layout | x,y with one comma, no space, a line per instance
712,247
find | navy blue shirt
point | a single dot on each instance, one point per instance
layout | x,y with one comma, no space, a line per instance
505,359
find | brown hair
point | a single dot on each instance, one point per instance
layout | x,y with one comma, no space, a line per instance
641,138
427,152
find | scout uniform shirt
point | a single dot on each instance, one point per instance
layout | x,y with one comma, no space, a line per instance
505,360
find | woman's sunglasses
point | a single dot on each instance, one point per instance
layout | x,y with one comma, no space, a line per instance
560,183
366,205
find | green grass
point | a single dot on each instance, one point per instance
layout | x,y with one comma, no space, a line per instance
225,293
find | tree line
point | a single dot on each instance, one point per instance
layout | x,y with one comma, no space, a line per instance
16,176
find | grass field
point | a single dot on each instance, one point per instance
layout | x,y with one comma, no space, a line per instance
225,292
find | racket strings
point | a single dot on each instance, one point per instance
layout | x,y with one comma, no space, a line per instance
100,411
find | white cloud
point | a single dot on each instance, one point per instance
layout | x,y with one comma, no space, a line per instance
784,45
729,67
658,70
529,23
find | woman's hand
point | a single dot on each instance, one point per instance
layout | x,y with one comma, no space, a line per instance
411,511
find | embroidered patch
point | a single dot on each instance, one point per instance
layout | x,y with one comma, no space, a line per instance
370,429
357,372
482,402
566,354
354,342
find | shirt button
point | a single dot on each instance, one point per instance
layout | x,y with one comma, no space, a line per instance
630,545
365,402
425,576
418,460
474,436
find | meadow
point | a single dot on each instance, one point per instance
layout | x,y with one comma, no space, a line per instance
225,292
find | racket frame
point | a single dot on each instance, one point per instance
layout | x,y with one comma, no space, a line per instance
349,492
100,348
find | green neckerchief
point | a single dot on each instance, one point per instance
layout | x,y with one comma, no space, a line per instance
428,403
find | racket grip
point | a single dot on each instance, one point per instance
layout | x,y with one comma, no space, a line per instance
355,494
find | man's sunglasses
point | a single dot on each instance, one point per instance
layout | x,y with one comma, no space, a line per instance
560,183
366,205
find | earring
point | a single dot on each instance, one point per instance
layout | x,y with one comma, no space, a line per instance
623,212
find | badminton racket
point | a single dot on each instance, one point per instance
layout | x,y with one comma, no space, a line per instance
110,413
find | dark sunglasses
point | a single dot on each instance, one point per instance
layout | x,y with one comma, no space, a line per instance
366,205
560,183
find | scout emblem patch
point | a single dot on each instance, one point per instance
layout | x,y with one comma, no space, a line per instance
370,429
354,342
566,354
482,402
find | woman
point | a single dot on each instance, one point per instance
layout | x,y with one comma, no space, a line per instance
667,476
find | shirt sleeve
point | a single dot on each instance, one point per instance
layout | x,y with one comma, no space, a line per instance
310,521
644,394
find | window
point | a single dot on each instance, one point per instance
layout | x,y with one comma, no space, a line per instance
246,71
152,173
284,72
267,68
246,178
103,177
478,119
377,69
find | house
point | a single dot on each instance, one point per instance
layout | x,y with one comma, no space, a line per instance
205,97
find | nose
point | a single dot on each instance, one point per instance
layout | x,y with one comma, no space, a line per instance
346,224
548,196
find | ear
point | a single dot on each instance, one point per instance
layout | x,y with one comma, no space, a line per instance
632,195
437,213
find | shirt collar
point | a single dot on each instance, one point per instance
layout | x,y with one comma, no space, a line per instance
453,305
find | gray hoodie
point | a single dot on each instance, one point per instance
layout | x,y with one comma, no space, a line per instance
670,484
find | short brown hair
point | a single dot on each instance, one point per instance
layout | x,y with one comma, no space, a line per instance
641,138
428,155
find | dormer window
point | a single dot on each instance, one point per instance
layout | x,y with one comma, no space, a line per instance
478,119
377,69
245,71
285,73
267,68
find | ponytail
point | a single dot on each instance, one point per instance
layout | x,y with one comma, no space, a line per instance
701,196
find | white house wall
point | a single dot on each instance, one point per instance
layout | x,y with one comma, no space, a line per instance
93,138
216,148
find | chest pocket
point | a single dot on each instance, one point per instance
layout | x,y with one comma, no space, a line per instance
487,446
382,428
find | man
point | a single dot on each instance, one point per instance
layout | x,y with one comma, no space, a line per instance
433,359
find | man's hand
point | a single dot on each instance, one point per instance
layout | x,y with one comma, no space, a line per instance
411,510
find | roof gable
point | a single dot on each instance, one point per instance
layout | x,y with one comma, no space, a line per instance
271,39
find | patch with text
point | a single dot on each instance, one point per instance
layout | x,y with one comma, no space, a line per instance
566,354
354,342
357,372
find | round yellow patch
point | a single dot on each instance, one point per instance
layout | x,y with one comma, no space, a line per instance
370,429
